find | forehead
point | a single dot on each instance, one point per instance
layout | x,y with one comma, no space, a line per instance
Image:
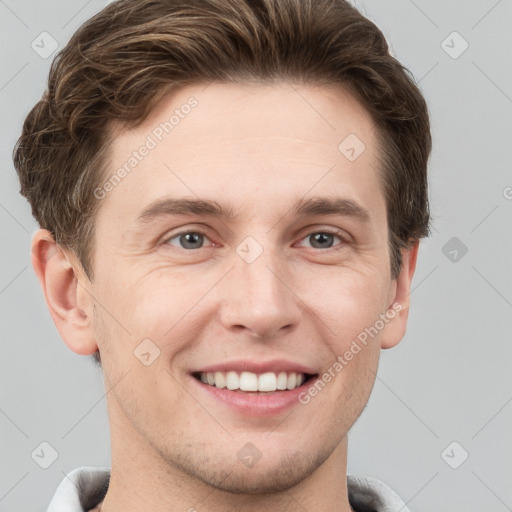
237,141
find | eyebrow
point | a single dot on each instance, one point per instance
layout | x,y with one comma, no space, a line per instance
331,206
178,206
310,207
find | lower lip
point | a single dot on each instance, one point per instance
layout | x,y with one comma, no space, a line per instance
255,404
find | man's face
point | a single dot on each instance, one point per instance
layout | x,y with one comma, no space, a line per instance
272,285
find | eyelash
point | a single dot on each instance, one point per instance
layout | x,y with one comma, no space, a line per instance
333,232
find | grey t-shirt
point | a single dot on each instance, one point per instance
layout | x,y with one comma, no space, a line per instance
83,488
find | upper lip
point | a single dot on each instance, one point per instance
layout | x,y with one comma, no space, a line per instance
245,365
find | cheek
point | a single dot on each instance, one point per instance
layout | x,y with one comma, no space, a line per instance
149,303
347,303
164,308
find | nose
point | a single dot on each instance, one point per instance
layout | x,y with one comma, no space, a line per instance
259,299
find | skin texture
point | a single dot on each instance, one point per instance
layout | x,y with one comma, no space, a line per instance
257,149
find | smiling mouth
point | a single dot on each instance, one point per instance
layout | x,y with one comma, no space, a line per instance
249,382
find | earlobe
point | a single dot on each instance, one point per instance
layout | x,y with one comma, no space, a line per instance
398,310
68,308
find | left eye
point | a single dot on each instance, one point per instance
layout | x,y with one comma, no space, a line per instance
188,240
322,239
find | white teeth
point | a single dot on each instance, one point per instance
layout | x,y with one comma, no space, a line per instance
220,380
282,379
267,382
232,381
249,381
292,380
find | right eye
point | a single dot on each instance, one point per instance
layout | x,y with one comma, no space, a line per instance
188,240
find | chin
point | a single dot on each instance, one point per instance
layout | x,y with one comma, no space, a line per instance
269,483
265,477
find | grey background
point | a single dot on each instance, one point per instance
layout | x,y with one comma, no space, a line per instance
449,380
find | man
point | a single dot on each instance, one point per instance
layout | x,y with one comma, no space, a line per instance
231,195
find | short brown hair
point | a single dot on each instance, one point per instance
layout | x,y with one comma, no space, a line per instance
118,65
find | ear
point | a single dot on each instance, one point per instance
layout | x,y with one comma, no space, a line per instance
69,302
398,309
